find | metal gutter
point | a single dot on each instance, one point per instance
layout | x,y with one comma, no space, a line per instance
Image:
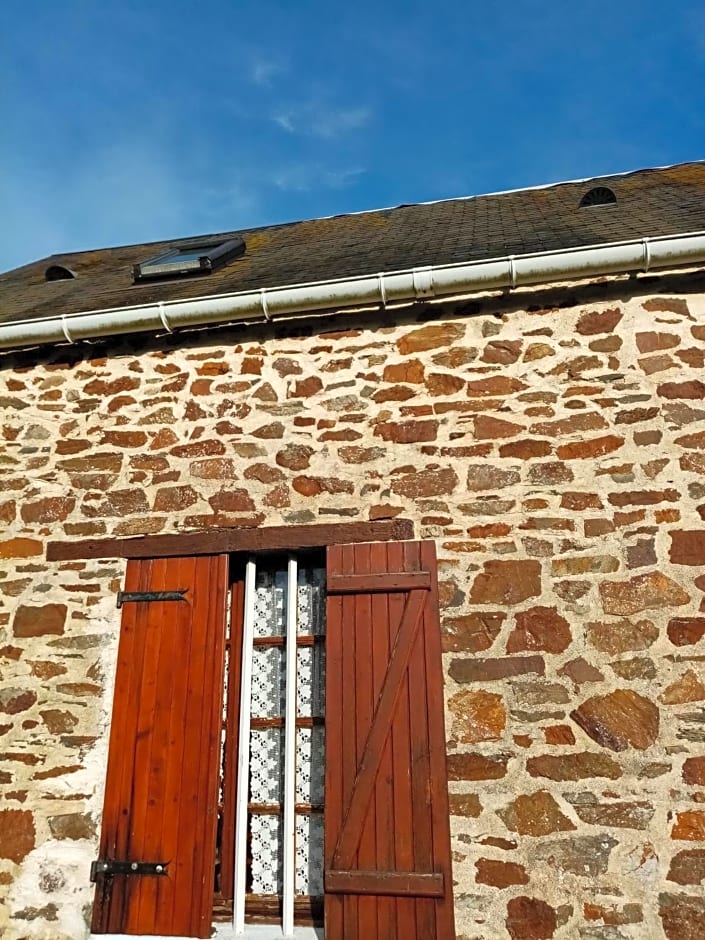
440,281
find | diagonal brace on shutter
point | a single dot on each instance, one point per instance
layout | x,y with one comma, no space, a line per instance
351,829
149,597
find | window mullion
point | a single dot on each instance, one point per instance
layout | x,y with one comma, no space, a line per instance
243,760
289,848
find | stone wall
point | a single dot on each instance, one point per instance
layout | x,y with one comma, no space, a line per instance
553,445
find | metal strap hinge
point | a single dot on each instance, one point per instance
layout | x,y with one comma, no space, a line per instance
148,597
106,868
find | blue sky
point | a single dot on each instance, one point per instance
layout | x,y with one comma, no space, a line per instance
130,121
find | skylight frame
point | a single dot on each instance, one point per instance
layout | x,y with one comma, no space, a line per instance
172,263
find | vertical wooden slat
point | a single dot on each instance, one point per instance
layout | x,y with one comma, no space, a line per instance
364,711
334,783
182,643
349,739
403,832
384,790
206,815
148,786
440,817
418,728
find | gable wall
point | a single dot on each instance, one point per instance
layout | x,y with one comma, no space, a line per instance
557,457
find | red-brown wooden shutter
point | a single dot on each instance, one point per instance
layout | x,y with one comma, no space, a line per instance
387,841
161,789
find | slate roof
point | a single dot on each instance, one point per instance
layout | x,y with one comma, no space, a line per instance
656,202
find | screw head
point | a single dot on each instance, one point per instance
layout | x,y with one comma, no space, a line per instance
133,866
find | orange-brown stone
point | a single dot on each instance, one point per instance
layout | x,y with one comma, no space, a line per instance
472,632
411,372
20,548
621,636
688,688
477,766
530,919
430,337
693,389
688,867
464,804
579,766
489,428
407,432
500,385
539,628
688,547
174,498
689,826
50,509
477,716
17,834
487,477
502,351
650,591
536,814
500,874
682,916
39,621
595,447
619,720
506,582
598,321
425,483
694,771
237,500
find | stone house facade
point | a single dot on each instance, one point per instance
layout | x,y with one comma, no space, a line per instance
546,434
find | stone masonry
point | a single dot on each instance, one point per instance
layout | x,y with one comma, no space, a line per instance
551,443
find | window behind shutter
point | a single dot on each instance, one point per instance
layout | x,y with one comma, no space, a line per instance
161,788
387,843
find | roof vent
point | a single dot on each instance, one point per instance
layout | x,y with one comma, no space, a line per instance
57,272
599,196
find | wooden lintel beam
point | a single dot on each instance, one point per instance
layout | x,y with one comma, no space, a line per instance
219,541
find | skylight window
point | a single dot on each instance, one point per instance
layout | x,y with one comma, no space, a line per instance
598,196
196,258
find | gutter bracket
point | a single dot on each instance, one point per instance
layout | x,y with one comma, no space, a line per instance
65,331
163,318
263,302
647,254
382,289
422,279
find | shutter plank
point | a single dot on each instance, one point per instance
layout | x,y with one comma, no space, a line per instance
384,792
421,773
166,895
402,833
393,854
364,712
333,907
440,814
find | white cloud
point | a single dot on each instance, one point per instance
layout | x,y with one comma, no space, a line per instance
264,71
304,177
318,119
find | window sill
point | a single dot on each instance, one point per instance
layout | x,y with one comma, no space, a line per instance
226,932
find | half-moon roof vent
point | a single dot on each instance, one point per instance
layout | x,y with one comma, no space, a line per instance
57,272
598,196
